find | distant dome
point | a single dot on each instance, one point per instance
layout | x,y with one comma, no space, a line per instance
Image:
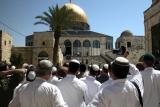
77,12
155,1
126,33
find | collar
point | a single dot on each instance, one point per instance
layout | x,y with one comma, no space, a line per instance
119,81
70,76
40,79
149,69
90,78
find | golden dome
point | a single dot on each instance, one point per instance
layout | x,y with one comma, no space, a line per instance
77,12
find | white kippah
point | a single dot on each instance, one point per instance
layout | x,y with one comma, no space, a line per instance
13,67
95,67
24,65
100,69
121,61
75,61
31,75
54,69
105,66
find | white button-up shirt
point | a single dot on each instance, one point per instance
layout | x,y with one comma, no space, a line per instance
106,83
73,91
20,87
39,93
93,87
136,77
54,80
138,80
151,81
121,93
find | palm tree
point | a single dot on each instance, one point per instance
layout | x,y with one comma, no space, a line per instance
58,19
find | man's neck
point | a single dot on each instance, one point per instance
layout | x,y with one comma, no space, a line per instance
71,73
44,77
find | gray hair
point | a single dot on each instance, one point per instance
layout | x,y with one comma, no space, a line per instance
44,68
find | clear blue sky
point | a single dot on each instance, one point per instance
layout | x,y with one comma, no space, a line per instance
110,17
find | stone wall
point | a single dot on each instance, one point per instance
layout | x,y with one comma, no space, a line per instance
5,45
42,41
26,53
151,18
133,56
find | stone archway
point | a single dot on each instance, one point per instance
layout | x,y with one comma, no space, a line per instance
86,46
96,48
155,32
77,48
68,48
42,55
96,44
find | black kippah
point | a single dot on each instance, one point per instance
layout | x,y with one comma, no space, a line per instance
148,57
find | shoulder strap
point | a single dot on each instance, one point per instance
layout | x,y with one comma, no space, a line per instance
139,93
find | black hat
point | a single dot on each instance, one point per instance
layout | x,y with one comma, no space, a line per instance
148,57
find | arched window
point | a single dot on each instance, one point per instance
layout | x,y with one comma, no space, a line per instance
76,43
5,42
10,42
67,43
43,43
96,44
42,55
86,43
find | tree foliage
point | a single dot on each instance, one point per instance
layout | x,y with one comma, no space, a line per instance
58,19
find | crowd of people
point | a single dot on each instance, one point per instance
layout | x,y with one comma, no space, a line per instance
117,84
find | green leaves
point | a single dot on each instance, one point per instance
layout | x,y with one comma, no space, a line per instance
56,18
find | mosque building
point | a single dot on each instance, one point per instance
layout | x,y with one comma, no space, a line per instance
130,41
152,28
134,44
79,41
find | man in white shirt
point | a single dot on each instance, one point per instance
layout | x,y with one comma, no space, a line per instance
104,75
82,71
54,79
109,81
92,84
135,76
73,90
121,93
39,93
151,80
31,75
